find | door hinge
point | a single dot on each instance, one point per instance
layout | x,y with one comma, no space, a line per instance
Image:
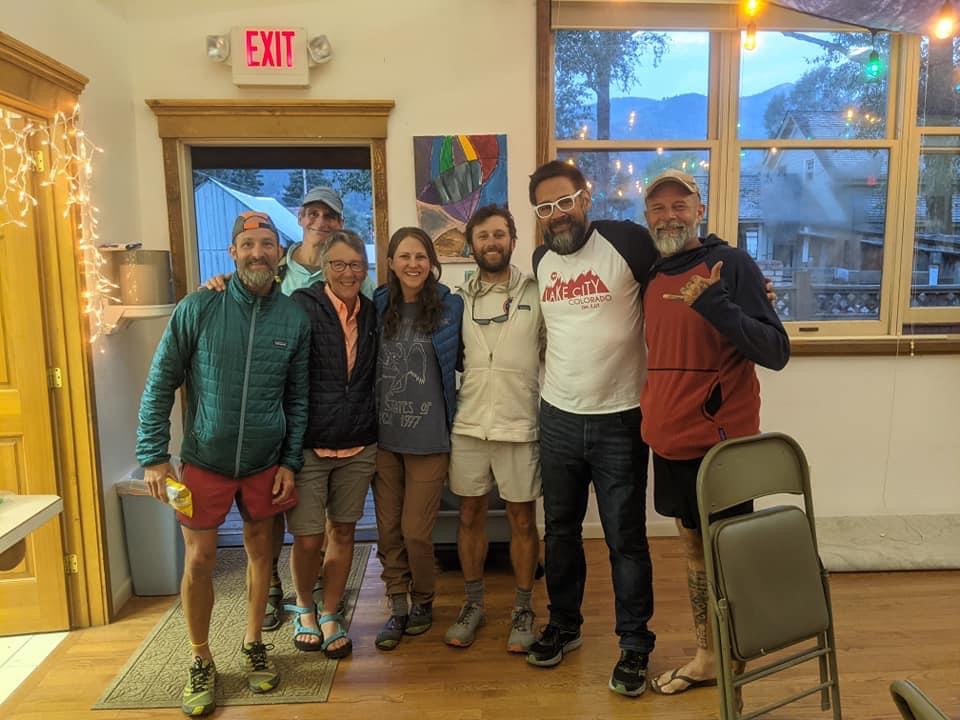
39,164
54,377
71,564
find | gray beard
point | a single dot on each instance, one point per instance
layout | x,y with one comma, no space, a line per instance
566,241
668,245
256,279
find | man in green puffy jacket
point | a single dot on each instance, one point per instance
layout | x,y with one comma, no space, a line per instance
243,355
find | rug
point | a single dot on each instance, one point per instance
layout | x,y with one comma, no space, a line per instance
155,674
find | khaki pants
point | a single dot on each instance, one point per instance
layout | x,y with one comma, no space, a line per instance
406,493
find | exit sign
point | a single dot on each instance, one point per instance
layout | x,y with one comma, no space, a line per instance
269,56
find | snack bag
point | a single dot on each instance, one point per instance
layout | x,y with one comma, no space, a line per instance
179,497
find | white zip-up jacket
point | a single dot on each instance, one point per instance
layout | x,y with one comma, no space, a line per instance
500,388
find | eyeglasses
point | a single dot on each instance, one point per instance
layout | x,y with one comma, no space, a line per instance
487,321
340,265
564,204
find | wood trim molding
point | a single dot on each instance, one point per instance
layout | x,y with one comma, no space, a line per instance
249,119
39,67
183,123
893,346
544,82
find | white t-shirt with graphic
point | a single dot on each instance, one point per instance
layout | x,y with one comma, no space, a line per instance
592,307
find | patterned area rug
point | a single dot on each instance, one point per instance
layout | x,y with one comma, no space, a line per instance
155,674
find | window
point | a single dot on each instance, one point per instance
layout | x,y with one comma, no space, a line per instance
795,145
231,180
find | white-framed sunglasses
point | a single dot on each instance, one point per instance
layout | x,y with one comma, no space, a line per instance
564,204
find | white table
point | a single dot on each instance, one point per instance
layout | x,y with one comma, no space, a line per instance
22,514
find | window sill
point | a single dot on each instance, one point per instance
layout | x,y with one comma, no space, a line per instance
883,345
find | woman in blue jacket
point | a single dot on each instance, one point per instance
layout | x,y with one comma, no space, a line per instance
416,399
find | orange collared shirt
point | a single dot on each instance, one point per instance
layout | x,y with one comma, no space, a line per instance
350,332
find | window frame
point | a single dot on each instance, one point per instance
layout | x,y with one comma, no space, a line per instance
902,141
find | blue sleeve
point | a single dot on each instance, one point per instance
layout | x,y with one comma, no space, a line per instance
739,309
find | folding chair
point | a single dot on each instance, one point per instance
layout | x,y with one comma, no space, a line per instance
912,703
766,585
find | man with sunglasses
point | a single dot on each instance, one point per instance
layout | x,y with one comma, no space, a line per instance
494,436
590,278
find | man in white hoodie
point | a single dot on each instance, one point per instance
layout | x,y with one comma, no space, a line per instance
494,441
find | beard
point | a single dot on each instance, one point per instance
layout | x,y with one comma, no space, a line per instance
256,278
496,265
670,238
566,241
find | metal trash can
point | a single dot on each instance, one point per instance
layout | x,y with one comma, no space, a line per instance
154,540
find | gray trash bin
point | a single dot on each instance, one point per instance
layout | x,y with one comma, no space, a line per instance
154,540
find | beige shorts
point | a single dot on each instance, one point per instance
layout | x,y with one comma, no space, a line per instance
476,466
331,487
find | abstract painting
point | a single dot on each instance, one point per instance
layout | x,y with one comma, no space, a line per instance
455,175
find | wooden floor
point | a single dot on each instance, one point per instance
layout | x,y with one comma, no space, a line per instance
889,626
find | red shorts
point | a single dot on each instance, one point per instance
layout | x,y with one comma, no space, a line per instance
213,494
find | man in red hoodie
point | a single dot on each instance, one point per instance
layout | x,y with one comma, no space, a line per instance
708,324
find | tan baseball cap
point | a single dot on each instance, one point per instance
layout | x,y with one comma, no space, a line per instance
675,176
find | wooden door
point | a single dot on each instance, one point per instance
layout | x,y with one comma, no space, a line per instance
33,596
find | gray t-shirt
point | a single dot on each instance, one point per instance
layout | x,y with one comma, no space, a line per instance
413,418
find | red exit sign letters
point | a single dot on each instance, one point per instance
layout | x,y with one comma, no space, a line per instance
269,56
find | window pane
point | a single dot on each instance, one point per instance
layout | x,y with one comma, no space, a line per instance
223,193
617,178
817,232
939,99
626,85
806,86
936,254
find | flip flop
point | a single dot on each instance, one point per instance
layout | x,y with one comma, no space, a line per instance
675,675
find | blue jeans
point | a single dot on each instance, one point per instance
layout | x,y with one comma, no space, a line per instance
607,450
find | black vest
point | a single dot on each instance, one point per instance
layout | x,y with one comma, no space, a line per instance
342,412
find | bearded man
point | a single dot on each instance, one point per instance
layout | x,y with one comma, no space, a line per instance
243,355
708,323
591,277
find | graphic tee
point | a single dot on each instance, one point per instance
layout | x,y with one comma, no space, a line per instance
592,307
410,392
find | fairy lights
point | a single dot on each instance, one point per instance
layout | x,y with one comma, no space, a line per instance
70,156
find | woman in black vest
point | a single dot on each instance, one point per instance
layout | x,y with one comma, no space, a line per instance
340,444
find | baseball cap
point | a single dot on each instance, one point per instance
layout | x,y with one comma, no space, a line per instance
674,176
328,196
251,220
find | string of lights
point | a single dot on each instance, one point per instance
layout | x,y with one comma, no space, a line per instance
70,155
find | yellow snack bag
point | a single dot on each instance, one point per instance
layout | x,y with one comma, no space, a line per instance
179,497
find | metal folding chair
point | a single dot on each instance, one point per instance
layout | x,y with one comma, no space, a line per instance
912,703
767,588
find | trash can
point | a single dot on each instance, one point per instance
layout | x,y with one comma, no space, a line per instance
154,540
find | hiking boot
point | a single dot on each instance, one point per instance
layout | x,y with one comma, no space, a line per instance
262,676
629,675
553,643
421,619
522,635
389,637
464,631
199,694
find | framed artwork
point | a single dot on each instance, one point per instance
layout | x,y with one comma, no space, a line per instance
455,175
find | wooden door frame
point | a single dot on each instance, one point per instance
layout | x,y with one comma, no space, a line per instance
182,124
37,84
